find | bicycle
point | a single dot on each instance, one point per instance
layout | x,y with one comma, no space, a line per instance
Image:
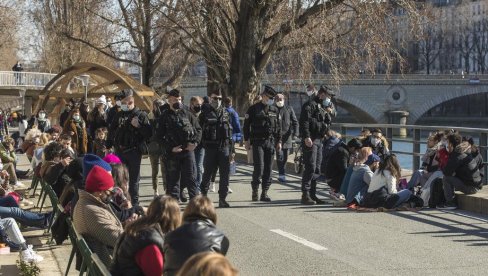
298,160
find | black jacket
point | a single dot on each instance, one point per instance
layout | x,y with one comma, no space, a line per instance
124,135
463,166
262,122
194,236
216,127
289,125
126,248
314,120
338,162
178,128
111,114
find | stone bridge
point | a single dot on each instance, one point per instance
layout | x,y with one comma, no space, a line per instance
383,99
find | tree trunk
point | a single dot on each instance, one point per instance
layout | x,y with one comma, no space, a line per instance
244,81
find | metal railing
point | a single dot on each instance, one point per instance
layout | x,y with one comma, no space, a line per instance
25,79
416,136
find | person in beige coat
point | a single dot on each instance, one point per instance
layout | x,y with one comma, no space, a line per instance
93,218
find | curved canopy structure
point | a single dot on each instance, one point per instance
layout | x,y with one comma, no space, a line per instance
98,80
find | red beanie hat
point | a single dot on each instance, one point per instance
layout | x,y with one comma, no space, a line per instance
98,180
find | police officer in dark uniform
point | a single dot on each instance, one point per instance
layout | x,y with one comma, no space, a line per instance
114,109
315,119
262,131
127,133
179,132
216,125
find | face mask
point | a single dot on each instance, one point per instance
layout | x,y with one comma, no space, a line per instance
109,104
118,103
177,105
280,104
326,102
215,104
124,107
270,101
197,108
76,117
42,115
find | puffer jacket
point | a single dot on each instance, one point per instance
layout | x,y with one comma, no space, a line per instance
96,222
194,236
462,165
127,247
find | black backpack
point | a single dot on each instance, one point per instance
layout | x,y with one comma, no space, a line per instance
436,193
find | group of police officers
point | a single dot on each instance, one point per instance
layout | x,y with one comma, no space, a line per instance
269,128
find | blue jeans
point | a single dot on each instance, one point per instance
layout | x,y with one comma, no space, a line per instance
199,154
415,180
25,217
281,159
404,197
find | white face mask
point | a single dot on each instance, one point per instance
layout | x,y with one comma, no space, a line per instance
76,117
42,115
280,104
118,103
124,107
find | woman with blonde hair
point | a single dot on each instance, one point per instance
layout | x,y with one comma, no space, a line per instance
198,233
208,264
139,250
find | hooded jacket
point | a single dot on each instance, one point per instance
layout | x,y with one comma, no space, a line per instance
462,165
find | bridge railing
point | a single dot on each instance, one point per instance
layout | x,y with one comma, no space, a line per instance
24,79
417,136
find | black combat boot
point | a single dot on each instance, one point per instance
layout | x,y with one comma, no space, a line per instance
223,203
254,195
316,199
264,196
313,193
306,200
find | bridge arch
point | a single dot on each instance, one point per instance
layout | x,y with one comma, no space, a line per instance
103,80
367,113
431,102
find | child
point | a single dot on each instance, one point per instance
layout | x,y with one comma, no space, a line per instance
99,143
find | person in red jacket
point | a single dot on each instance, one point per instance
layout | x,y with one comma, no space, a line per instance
139,251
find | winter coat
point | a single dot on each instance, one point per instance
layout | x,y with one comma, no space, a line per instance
194,236
96,222
289,126
6,155
79,145
462,165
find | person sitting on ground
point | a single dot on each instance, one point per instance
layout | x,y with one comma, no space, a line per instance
461,172
429,162
331,142
354,160
378,143
365,133
208,264
99,147
139,251
10,233
75,127
475,153
92,215
9,160
382,191
198,233
360,178
337,166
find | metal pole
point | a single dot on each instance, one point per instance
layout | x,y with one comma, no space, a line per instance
416,149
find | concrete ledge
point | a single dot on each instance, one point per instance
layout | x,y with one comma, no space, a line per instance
477,203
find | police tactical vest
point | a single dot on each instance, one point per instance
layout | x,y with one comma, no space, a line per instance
320,120
265,124
180,131
216,127
126,135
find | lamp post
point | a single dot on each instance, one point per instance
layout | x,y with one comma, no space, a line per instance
22,94
85,79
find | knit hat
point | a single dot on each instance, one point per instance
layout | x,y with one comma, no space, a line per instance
372,158
98,180
101,100
90,160
112,158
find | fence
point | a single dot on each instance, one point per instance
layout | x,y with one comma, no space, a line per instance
27,79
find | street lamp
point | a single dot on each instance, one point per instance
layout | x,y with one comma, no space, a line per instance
85,79
22,94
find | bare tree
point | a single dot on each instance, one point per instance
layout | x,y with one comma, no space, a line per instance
480,44
239,39
8,29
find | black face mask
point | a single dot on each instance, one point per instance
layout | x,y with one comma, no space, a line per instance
197,108
177,106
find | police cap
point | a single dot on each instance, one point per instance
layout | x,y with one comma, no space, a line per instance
269,91
174,93
327,90
126,93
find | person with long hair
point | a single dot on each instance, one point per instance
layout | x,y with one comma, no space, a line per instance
198,233
382,191
75,127
139,251
208,264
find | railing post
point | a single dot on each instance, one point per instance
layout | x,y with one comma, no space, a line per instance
484,153
389,136
416,149
344,131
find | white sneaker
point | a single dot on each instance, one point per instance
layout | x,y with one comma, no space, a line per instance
337,196
19,185
30,256
212,187
230,191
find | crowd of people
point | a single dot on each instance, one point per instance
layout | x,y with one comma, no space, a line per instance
92,161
